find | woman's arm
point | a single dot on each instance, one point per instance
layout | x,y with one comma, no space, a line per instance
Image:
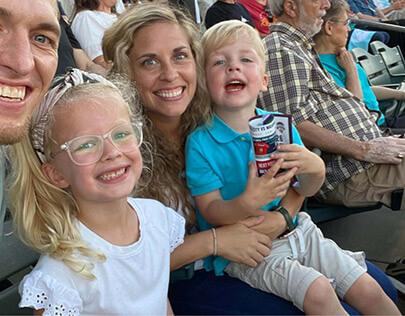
237,243
169,309
384,93
85,63
100,61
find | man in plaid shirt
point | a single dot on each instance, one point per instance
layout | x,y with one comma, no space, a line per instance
362,167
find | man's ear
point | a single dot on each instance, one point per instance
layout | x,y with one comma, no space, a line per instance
290,8
54,176
265,83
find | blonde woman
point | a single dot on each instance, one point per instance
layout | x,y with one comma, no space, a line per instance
159,48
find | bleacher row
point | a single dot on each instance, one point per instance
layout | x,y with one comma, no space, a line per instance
385,67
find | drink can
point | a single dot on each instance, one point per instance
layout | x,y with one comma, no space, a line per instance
264,141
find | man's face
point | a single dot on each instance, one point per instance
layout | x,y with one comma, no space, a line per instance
310,15
29,36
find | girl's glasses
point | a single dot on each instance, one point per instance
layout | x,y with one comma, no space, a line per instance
88,149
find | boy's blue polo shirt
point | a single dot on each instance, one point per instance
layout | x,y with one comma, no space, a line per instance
217,157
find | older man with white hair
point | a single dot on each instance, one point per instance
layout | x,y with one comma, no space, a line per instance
362,167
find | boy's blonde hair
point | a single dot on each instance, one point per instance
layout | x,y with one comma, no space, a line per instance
228,32
45,215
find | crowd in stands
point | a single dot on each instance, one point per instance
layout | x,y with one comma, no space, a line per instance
126,159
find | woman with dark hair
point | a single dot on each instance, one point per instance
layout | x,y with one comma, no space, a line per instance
90,20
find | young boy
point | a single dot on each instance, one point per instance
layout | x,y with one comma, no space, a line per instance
303,266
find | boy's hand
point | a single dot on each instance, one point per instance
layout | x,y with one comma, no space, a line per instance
299,157
260,191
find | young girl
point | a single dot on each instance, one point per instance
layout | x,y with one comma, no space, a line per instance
103,253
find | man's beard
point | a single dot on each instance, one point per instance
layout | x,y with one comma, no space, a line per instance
307,26
12,133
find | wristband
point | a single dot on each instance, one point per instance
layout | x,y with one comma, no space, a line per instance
290,224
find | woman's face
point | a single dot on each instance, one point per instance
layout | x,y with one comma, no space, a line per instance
340,30
164,70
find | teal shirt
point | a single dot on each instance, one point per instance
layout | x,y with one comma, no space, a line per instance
217,157
339,75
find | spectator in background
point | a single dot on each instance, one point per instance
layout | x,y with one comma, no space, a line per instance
259,12
91,19
331,47
223,10
399,12
367,10
203,6
389,7
362,167
70,53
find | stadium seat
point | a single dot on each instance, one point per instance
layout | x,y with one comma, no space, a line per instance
375,69
392,58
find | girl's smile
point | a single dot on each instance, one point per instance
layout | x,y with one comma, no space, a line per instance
114,175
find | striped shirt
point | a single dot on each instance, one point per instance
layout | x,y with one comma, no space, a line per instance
299,85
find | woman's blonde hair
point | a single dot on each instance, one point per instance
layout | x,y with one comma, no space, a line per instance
228,32
166,182
45,215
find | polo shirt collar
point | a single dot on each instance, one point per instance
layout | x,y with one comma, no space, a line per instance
222,133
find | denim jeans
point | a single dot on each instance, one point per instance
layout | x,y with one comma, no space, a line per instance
206,294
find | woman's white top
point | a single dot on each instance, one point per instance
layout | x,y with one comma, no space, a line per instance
88,27
133,280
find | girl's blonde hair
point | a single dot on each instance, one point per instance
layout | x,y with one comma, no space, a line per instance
228,32
45,215
165,181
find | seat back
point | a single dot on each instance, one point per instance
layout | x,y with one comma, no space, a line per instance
392,58
16,260
374,67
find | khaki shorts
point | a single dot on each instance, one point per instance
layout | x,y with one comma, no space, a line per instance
296,262
370,187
